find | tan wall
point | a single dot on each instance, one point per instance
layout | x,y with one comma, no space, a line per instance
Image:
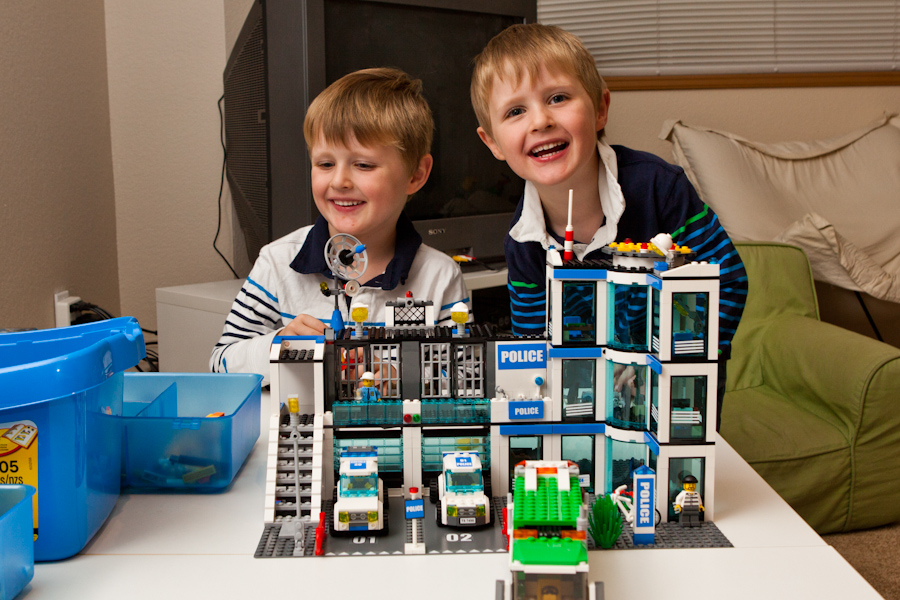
165,61
57,206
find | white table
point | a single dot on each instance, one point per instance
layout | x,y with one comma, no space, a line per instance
198,546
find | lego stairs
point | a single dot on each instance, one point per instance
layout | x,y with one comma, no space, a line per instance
294,474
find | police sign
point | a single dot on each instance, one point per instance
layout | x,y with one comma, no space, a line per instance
415,509
521,356
526,409
644,505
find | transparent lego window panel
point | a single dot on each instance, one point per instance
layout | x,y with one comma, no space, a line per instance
654,402
433,449
688,408
579,320
622,460
389,450
690,331
679,468
580,450
533,586
627,319
626,395
578,388
524,447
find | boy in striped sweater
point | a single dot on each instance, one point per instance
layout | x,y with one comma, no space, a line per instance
369,137
542,107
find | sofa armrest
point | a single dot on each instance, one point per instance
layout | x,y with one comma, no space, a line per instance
845,378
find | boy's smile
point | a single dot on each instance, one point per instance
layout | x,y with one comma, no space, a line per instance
546,130
361,190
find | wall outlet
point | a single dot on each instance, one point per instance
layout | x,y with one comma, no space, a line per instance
63,301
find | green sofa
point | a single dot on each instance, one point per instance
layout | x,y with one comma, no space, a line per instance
814,408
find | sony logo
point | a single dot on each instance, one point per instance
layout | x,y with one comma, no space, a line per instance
437,231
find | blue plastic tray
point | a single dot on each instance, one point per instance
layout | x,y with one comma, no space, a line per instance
60,430
16,534
171,442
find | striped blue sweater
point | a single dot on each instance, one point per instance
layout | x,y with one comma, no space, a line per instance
658,199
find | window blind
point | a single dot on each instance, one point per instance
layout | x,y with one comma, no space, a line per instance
710,37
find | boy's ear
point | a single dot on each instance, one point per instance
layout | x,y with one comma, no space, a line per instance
420,175
603,113
491,144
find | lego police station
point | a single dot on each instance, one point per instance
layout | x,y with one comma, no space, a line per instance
624,377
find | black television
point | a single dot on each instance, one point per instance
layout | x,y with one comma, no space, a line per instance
290,50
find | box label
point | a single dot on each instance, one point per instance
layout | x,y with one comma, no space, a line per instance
19,458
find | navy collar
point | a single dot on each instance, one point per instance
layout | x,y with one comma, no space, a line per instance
311,258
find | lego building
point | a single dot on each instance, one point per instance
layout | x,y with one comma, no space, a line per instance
625,377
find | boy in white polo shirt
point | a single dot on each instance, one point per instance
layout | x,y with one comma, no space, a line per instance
369,138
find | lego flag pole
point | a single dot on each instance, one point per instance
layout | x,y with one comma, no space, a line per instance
570,233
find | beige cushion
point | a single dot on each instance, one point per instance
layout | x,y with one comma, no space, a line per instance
846,189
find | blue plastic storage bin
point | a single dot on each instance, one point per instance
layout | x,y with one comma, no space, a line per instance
171,442
16,535
60,428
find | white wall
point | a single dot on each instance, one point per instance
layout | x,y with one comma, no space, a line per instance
165,61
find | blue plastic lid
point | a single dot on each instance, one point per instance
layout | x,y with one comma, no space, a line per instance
36,366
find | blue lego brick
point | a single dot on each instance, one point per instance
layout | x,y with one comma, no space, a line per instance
588,352
654,364
654,282
579,428
651,442
526,429
563,274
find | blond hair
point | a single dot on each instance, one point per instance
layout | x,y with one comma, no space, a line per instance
523,50
376,106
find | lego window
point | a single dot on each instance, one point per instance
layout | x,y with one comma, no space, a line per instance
654,331
524,447
689,323
470,370
464,482
390,451
436,370
622,459
350,368
433,449
385,365
654,402
628,307
580,450
679,468
579,311
359,485
626,394
688,421
578,389
550,586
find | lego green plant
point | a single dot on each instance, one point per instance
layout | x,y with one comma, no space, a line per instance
605,522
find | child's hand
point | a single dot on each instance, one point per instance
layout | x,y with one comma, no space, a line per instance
304,325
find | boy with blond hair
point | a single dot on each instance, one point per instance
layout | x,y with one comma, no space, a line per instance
542,107
369,139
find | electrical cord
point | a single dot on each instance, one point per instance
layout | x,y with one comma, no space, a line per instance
222,184
89,313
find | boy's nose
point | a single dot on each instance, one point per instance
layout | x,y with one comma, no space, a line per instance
341,178
541,119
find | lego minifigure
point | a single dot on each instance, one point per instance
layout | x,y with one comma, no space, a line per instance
689,503
367,392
